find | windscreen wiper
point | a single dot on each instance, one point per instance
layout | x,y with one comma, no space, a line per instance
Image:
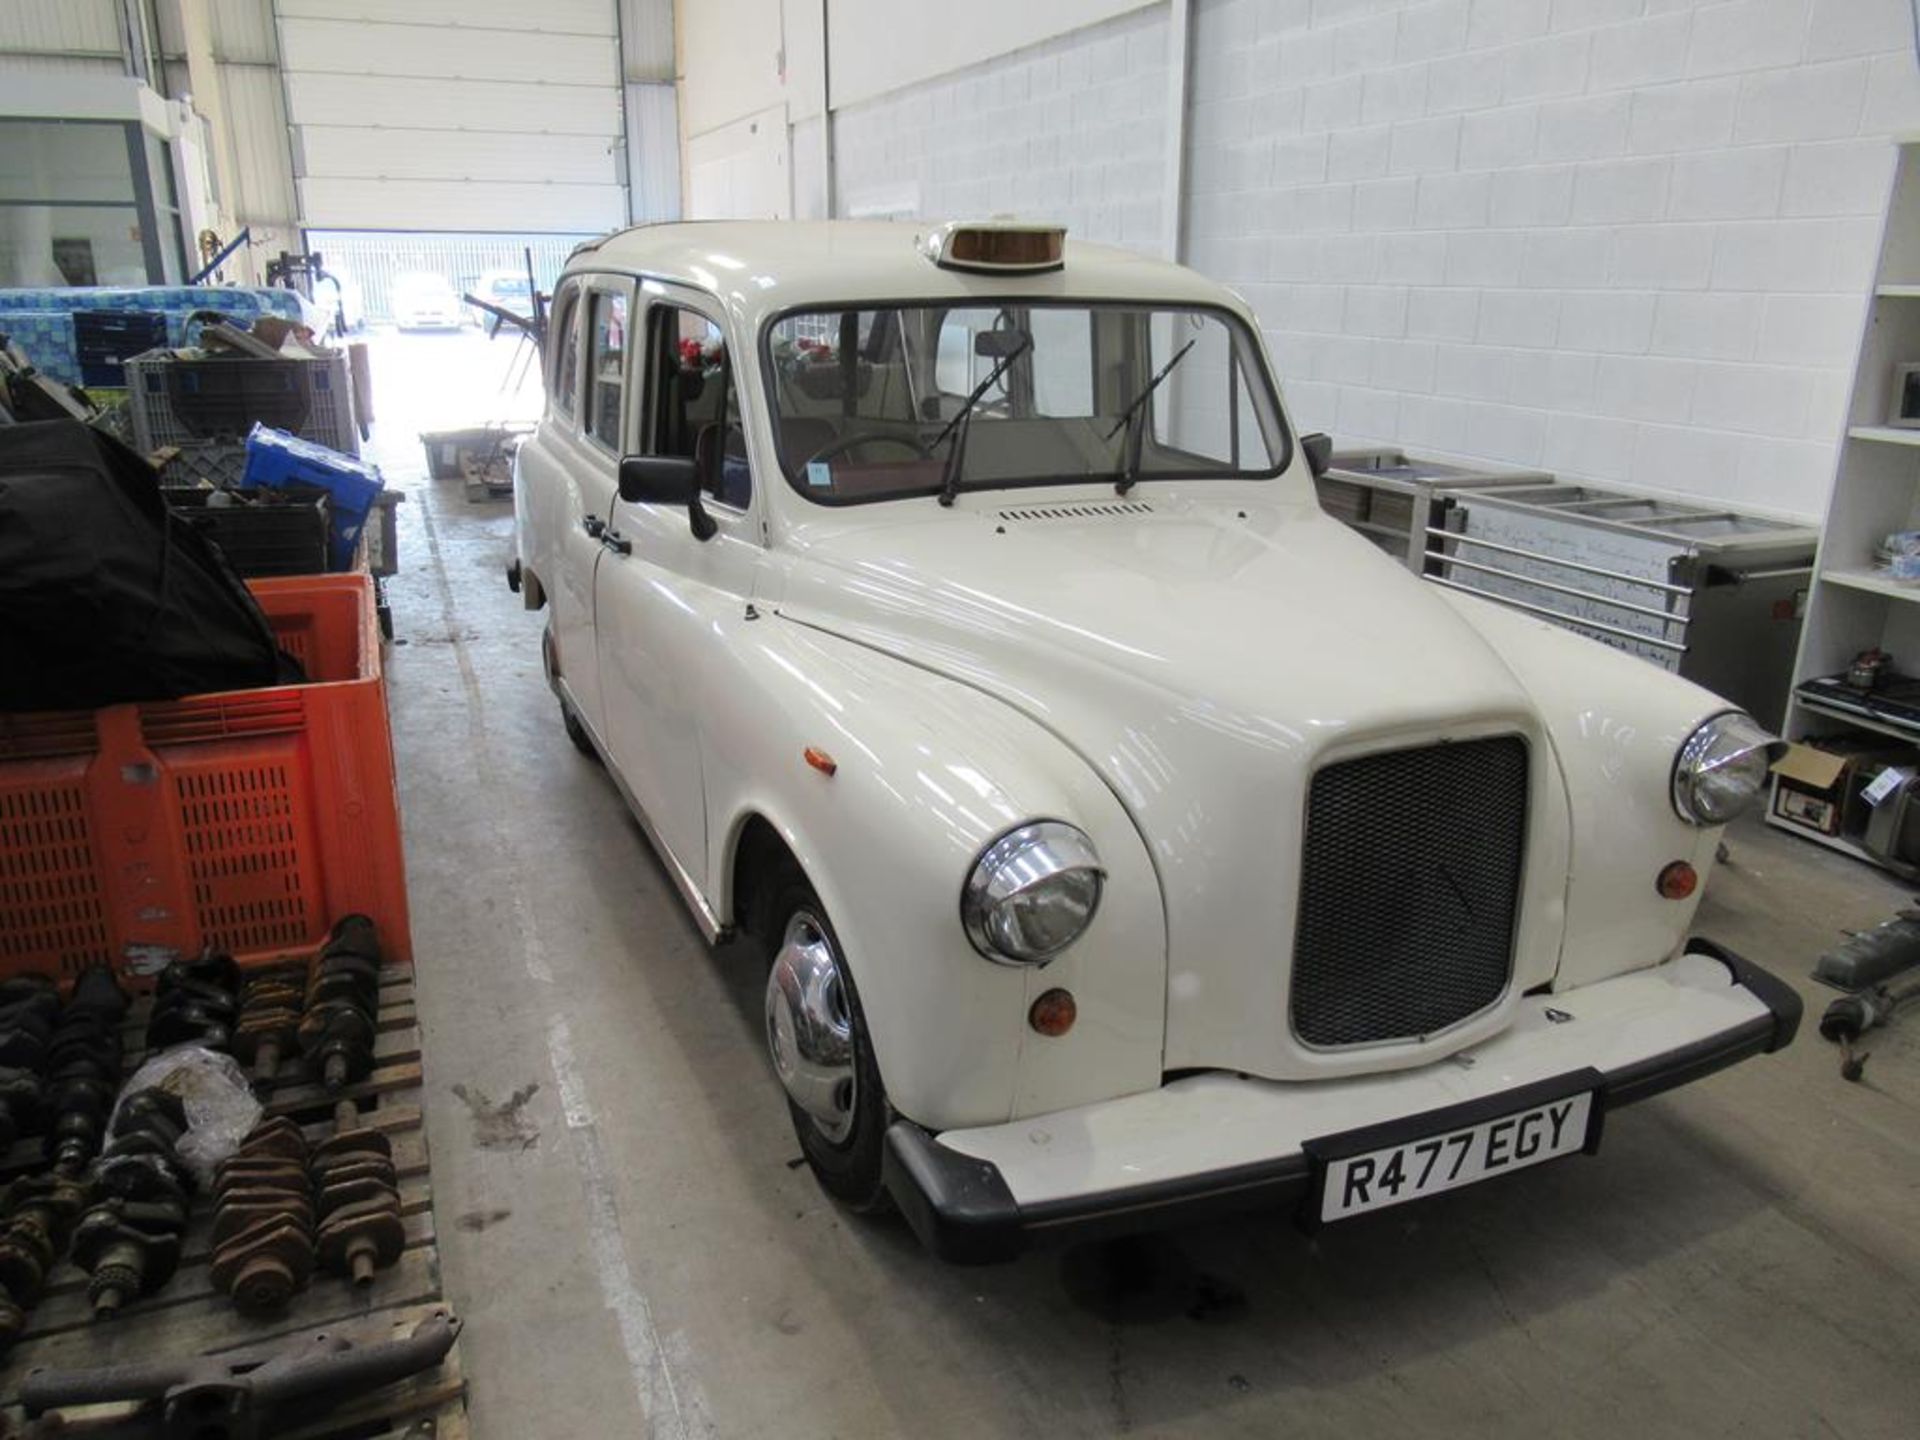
963,422
1136,434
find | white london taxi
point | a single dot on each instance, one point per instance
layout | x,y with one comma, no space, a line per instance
1126,839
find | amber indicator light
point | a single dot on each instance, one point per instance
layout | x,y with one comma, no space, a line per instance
1054,1012
1677,881
821,761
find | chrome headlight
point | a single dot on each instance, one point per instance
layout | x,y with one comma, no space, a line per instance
1721,768
1032,893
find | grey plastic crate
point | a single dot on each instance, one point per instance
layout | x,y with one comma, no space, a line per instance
325,386
215,462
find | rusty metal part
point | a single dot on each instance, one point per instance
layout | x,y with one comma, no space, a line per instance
354,935
158,1114
79,1106
337,1035
269,1024
20,1095
83,1064
129,1239
263,1235
264,1264
275,1171
29,1010
244,1208
40,1214
141,1177
276,1137
195,1002
356,1192
345,1172
246,1394
343,994
358,1239
130,1248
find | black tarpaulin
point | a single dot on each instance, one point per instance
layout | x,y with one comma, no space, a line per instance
104,598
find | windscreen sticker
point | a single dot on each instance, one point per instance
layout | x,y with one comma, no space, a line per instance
820,474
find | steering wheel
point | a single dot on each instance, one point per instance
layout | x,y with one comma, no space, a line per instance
870,437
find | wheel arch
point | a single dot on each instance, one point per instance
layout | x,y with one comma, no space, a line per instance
929,770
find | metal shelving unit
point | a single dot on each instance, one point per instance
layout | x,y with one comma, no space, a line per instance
1854,604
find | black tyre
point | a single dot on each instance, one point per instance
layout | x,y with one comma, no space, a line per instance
842,1125
577,733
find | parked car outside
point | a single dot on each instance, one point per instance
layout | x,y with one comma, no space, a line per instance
509,289
423,300
1125,839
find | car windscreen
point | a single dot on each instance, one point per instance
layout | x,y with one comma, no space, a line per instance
873,403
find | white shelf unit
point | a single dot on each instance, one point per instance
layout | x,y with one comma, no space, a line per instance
1852,604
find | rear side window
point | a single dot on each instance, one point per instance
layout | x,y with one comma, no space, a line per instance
566,369
609,369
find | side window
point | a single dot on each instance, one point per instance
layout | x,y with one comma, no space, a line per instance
608,366
693,406
566,368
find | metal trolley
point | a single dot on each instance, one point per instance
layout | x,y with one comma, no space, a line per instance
1714,595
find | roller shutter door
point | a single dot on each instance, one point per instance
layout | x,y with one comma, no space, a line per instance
455,114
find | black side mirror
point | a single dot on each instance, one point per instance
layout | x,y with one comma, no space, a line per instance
666,480
658,480
1318,448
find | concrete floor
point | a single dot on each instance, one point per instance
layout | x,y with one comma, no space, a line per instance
635,1250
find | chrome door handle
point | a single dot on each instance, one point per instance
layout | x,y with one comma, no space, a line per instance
594,526
617,543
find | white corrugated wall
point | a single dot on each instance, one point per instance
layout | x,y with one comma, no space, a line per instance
80,37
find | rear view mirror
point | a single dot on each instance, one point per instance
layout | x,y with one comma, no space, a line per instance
658,480
999,344
1318,448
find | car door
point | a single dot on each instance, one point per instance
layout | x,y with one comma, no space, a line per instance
590,449
662,593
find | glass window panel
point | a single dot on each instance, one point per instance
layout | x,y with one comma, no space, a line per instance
55,245
51,161
567,377
608,367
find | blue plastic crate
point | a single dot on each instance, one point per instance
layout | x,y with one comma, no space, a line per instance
276,459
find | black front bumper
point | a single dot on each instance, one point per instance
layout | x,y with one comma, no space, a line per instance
962,1210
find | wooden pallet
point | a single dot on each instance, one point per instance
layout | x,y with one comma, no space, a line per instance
487,476
187,1316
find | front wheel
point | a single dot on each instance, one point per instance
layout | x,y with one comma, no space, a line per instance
817,1040
577,733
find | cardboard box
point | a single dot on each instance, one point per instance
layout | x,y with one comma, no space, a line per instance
1821,777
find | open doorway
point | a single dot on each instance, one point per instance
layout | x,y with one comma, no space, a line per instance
437,362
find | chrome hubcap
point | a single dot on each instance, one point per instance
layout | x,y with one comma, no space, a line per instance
810,1027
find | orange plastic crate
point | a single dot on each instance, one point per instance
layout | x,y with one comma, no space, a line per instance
248,820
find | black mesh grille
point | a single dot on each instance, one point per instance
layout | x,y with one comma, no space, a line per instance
1408,887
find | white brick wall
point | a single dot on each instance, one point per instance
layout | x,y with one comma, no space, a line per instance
1626,240
1071,130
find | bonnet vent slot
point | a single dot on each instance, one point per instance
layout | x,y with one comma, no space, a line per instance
1091,511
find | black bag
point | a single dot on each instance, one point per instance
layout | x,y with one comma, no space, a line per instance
104,596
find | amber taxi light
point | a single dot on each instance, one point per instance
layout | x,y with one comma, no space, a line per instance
999,247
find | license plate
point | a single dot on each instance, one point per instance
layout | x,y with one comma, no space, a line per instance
1448,1158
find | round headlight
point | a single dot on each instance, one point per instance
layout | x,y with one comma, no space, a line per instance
1032,893
1721,769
